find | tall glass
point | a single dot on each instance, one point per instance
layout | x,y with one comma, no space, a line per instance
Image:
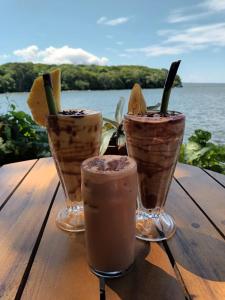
154,142
73,137
109,190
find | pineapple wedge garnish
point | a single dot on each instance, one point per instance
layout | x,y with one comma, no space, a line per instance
37,101
136,105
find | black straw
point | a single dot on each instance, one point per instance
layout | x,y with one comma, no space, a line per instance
168,86
102,288
48,93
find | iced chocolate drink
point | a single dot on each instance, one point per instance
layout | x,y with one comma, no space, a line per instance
73,137
109,191
154,142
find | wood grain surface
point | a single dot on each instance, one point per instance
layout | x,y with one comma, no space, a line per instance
39,261
197,248
60,268
206,192
217,176
20,223
10,177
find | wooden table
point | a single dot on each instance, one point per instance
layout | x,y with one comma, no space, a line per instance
39,261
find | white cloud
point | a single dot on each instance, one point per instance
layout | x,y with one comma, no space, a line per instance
125,55
101,20
203,9
215,5
119,43
29,54
166,32
63,55
176,17
157,50
112,22
183,41
206,35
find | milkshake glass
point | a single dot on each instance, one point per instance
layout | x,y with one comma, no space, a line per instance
73,137
154,142
109,191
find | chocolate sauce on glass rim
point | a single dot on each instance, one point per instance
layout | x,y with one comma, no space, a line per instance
154,113
73,113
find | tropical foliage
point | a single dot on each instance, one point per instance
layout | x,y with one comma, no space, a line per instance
112,130
18,77
200,151
20,137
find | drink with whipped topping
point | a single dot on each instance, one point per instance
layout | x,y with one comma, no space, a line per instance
74,136
154,142
109,191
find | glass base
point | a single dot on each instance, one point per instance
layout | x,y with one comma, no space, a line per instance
154,225
114,274
71,219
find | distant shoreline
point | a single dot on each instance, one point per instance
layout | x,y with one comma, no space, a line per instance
183,82
19,77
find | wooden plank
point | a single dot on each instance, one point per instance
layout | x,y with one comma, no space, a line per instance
152,278
197,247
20,223
10,177
207,193
219,177
60,270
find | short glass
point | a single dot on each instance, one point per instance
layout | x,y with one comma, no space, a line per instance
154,142
72,139
109,191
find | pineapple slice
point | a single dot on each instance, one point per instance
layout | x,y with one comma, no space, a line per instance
37,101
136,105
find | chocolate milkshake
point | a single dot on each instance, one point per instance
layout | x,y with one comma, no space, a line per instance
109,191
154,142
73,137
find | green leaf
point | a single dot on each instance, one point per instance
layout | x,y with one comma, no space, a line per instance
105,139
182,154
114,123
199,154
12,107
119,110
7,132
200,136
108,126
190,151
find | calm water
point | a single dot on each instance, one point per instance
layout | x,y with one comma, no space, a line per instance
203,104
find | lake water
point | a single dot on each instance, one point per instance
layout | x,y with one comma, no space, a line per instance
203,104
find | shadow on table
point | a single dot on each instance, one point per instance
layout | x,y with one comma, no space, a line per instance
145,280
199,253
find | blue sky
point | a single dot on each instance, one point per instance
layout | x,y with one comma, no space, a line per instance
144,32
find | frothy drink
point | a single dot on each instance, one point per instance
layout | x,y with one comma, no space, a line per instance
109,190
73,137
154,142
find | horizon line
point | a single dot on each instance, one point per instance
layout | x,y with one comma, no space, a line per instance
203,82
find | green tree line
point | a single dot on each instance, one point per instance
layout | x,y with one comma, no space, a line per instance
18,77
